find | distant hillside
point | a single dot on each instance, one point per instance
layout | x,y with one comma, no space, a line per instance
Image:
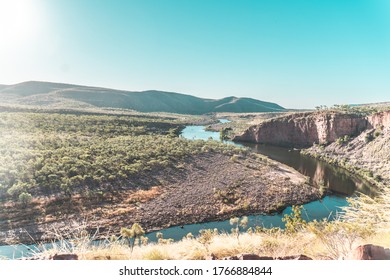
57,95
378,104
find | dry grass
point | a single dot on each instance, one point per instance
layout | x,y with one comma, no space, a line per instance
370,212
144,195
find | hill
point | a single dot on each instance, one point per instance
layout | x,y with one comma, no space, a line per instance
58,95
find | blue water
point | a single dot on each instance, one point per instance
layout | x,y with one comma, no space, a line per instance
338,181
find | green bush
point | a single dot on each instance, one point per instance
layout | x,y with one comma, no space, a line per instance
368,138
25,198
343,140
294,222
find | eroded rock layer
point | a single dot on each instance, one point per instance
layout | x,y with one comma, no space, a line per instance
303,129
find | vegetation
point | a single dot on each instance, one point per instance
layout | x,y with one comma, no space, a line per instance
343,140
294,221
224,133
66,154
133,234
238,223
25,198
362,110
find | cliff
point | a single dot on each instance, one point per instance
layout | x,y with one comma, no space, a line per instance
303,129
380,120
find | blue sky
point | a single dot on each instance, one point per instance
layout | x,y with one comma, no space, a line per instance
297,53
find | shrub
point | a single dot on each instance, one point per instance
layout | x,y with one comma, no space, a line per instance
206,236
368,138
338,237
343,140
25,198
294,222
238,223
234,158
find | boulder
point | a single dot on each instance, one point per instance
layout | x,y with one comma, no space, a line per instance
252,257
369,252
212,257
294,257
247,257
65,257
232,258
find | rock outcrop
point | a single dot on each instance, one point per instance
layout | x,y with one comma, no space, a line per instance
380,120
303,129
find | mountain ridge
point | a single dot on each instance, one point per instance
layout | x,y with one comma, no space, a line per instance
60,94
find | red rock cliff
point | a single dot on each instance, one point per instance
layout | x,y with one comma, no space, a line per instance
380,120
304,129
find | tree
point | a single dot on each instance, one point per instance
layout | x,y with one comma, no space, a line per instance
224,133
240,223
132,234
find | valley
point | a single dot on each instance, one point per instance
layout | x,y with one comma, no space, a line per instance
98,168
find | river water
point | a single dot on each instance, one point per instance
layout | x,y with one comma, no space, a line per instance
340,183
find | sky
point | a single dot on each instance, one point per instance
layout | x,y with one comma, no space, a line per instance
297,53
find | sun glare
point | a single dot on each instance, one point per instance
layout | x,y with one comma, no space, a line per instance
19,21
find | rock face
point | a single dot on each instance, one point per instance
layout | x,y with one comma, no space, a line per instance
303,129
380,120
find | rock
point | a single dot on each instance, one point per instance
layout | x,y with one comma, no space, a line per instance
232,258
247,257
381,119
257,257
303,129
325,258
65,257
369,252
212,257
252,257
295,257
387,253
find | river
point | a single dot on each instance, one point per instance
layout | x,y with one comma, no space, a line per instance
340,182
